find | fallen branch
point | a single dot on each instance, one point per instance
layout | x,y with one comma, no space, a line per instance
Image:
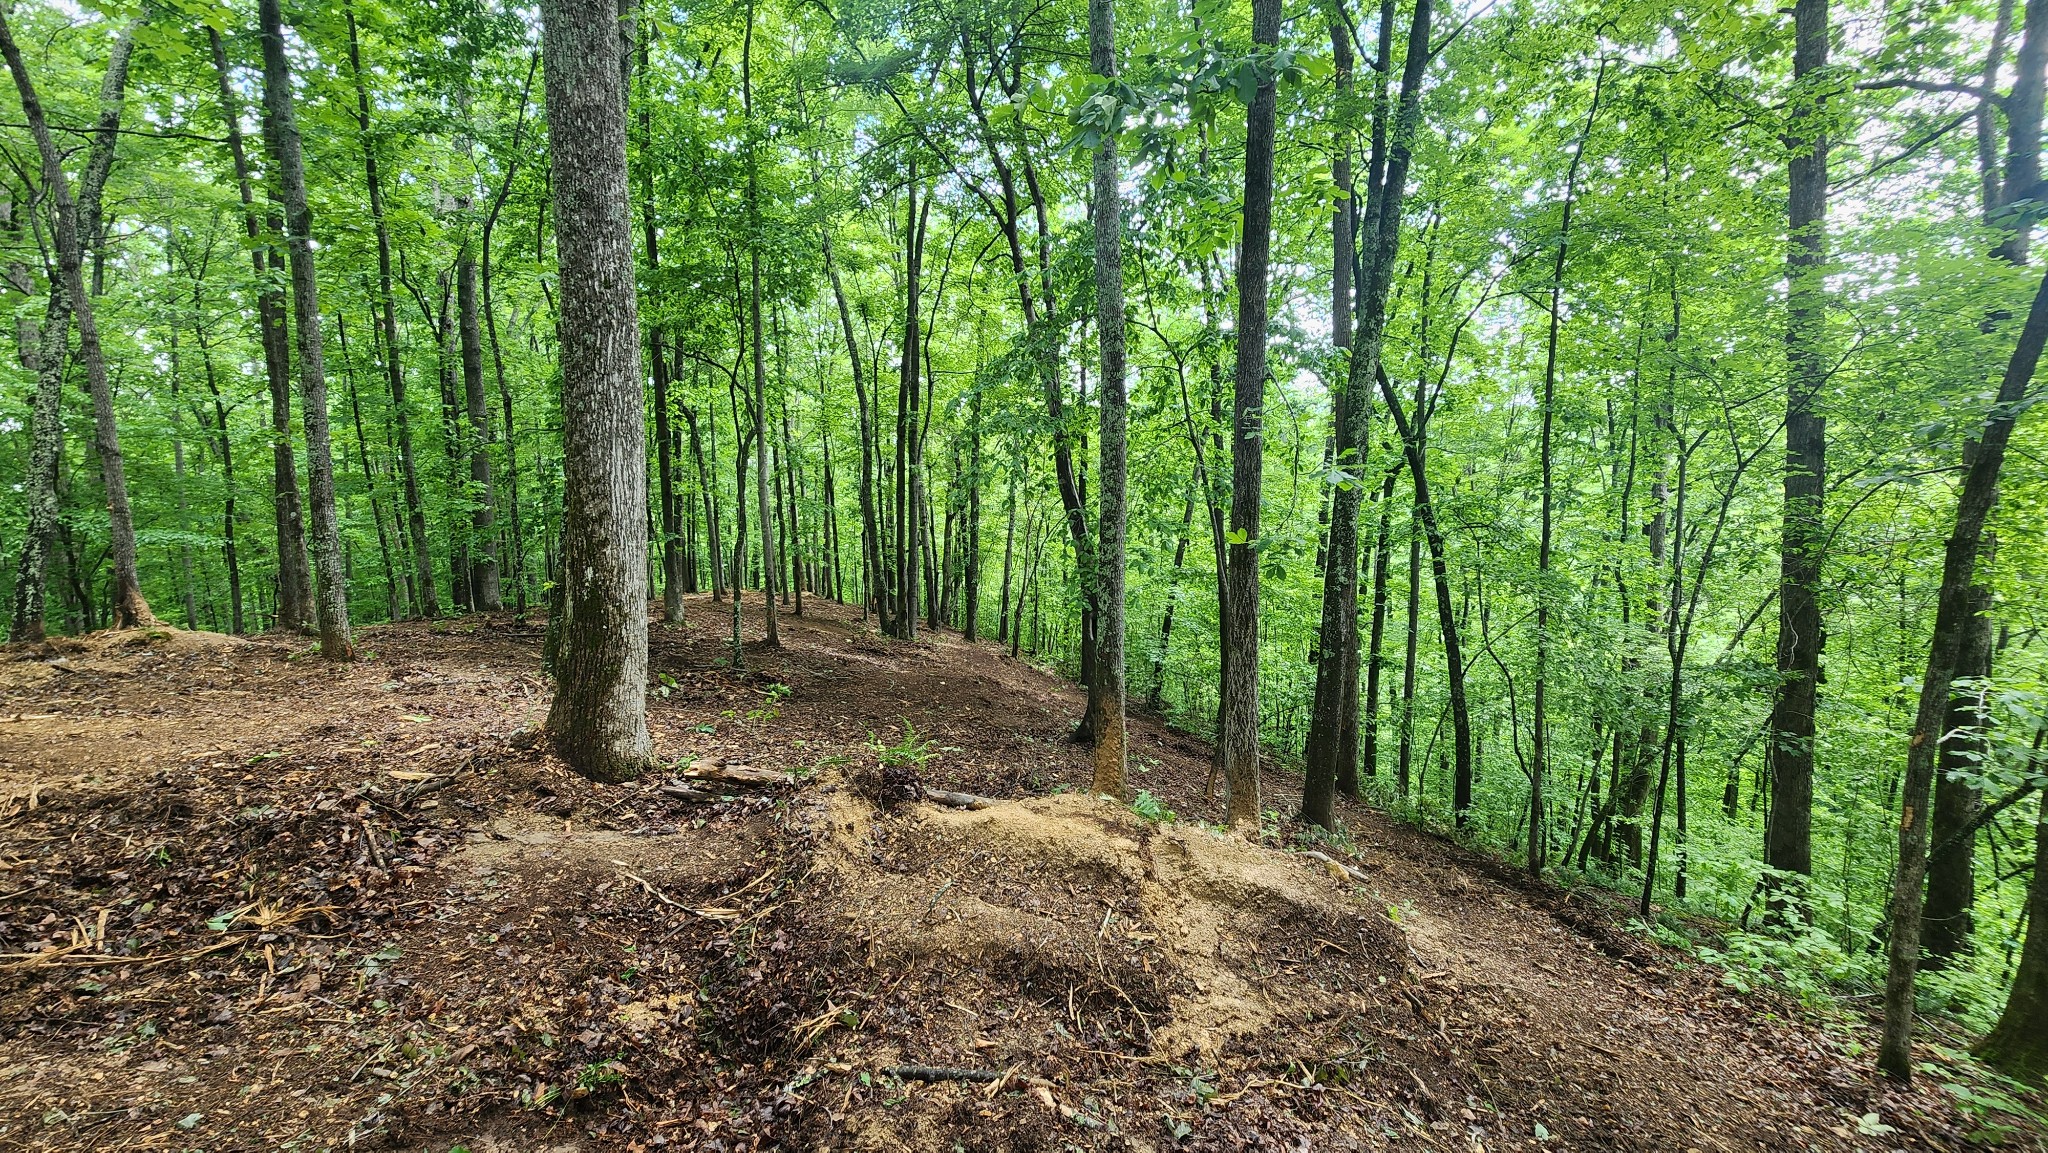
954,800
705,769
941,1073
1338,869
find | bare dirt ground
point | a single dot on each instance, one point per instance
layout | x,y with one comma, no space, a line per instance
252,901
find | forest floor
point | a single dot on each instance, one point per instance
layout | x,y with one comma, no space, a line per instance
252,901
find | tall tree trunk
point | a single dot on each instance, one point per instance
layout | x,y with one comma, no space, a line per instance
224,445
869,520
45,352
599,716
1447,615
754,241
1369,752
1788,842
2023,109
1337,639
1340,605
1240,736
393,599
1983,459
1539,742
130,609
972,610
428,602
705,487
1951,877
484,584
1106,687
517,541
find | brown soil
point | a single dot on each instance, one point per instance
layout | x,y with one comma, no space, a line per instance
252,901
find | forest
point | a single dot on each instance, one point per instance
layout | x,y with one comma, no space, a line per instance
1594,433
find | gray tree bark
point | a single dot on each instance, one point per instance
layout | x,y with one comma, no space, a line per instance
130,609
45,351
331,601
599,717
1107,685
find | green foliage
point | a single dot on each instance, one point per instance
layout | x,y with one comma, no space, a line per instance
1149,807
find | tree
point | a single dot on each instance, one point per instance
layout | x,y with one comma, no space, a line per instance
1788,845
130,609
47,359
599,717
1106,689
2018,1044
1239,738
331,601
1983,460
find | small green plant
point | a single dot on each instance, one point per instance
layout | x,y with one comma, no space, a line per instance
912,751
598,1074
1148,806
776,694
667,686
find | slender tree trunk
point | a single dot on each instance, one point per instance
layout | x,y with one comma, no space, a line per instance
1788,841
428,601
705,489
760,402
1369,753
1447,615
1240,736
1983,459
1106,688
517,536
1340,605
393,599
1951,876
599,716
130,609
1337,553
869,521
224,446
1539,761
484,584
1155,692
45,352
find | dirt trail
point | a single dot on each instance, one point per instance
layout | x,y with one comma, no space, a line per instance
253,902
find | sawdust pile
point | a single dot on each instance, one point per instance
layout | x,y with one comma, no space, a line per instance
1169,939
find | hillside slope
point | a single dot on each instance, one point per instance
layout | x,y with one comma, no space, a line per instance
254,902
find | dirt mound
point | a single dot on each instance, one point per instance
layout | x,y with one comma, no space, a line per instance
1178,930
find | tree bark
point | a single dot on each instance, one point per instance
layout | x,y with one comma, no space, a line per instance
295,582
1983,459
331,599
130,609
1951,877
1340,605
1788,842
2018,1044
599,717
45,352
1240,716
1106,687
